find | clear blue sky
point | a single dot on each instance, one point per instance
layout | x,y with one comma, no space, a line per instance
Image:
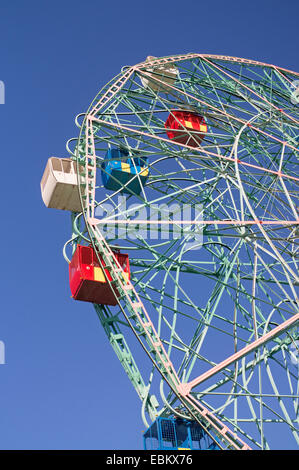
62,386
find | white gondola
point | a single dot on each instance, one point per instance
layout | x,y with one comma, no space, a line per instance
160,76
59,186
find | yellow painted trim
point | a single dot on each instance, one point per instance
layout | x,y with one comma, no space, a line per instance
144,172
125,167
98,274
189,124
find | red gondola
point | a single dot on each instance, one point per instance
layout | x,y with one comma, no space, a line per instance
87,279
178,122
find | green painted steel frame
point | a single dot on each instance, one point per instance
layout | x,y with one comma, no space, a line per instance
251,119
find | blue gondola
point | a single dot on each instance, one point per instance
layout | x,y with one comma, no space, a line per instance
177,434
119,171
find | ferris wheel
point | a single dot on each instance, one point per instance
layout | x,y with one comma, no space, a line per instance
184,197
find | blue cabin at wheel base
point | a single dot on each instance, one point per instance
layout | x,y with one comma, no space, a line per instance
177,434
